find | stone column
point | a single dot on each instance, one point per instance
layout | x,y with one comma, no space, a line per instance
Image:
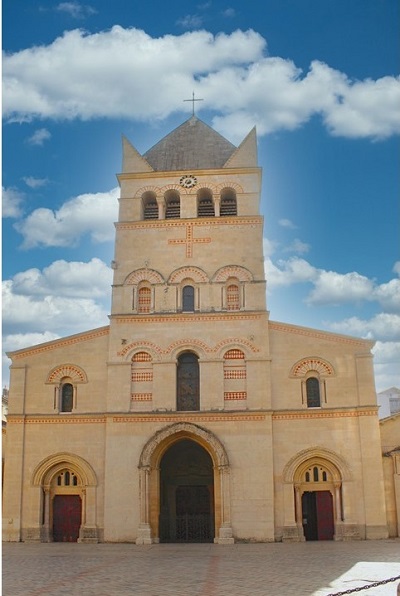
338,504
225,534
292,520
349,530
161,207
45,532
88,531
144,530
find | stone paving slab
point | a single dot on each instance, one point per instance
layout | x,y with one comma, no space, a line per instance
305,569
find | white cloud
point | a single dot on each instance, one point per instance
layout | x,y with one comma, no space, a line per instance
387,364
56,314
388,295
329,287
335,288
92,214
75,10
39,137
229,12
12,200
387,352
360,113
35,182
82,75
384,326
297,246
63,299
287,223
190,21
19,341
289,272
72,279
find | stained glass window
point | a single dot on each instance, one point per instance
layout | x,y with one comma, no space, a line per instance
188,385
67,397
313,394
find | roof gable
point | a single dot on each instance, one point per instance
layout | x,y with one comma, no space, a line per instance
191,146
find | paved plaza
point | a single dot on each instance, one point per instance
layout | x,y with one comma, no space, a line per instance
305,569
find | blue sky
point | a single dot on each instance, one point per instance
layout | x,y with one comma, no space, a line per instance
318,78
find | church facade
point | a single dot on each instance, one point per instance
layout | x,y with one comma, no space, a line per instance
193,417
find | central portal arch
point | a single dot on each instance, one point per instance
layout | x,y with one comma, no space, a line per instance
186,494
184,483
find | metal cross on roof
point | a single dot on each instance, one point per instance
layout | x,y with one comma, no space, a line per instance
193,100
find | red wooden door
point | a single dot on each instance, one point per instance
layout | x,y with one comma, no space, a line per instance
325,515
67,516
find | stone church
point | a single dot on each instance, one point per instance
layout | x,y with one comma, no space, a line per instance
193,417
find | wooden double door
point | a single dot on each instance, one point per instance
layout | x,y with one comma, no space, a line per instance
67,518
317,513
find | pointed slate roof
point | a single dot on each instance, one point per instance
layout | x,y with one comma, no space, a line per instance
192,146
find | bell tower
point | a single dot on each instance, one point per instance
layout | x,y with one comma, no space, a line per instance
189,267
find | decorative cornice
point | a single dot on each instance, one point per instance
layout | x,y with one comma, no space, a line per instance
185,417
203,222
159,174
60,343
200,416
318,334
313,414
58,419
185,318
135,417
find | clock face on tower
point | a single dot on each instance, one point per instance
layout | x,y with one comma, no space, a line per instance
188,181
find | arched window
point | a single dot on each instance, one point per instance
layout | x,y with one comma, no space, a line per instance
228,202
188,383
144,299
232,297
317,473
67,397
67,478
313,393
150,206
172,205
205,203
188,299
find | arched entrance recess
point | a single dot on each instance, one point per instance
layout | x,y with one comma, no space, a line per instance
67,486
186,494
314,494
155,455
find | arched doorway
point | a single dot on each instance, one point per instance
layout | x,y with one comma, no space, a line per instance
66,485
317,508
315,499
66,505
186,494
317,514
184,470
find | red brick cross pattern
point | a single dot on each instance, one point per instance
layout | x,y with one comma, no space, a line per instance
189,240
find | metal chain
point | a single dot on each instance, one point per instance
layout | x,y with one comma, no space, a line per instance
359,589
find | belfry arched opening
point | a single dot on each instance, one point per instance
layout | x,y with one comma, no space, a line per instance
186,494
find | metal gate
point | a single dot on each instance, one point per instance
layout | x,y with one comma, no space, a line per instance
192,520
